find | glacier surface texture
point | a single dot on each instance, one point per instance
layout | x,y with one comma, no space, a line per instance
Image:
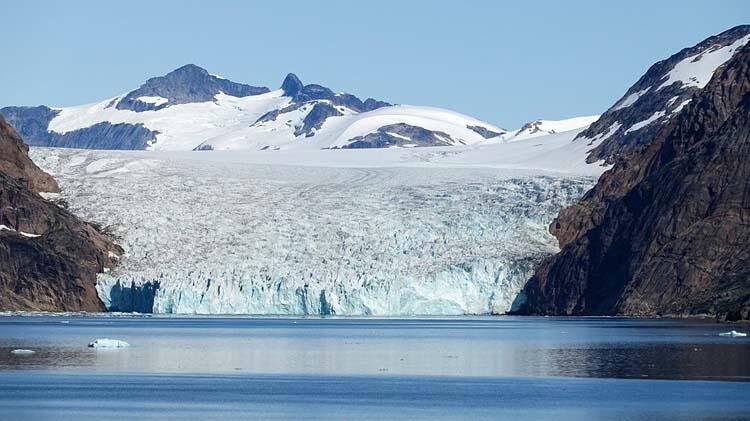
228,236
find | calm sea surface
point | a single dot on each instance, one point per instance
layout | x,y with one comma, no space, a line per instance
347,368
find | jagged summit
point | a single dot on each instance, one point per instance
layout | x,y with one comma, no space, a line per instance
291,85
192,109
186,70
189,83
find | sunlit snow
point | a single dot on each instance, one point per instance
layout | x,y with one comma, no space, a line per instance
641,124
631,99
697,70
230,123
155,100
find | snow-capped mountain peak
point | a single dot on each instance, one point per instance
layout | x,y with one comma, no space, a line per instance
191,109
660,94
291,85
187,84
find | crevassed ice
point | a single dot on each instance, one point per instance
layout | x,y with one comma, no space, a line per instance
209,237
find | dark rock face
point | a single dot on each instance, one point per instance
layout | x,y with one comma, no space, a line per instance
324,102
647,99
312,92
354,103
103,136
667,230
16,164
401,134
533,127
315,119
187,84
274,114
302,94
485,132
33,122
48,258
371,104
291,85
204,147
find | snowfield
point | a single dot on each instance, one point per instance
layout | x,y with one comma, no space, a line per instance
434,231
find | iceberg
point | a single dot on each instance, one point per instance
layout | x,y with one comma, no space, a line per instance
733,334
22,351
108,343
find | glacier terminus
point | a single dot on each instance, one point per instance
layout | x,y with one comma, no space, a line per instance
395,231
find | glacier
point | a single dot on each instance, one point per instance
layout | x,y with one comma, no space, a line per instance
388,232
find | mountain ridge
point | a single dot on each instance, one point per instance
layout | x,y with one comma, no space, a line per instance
660,94
665,231
191,109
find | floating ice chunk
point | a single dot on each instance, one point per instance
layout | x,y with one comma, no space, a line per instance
108,343
733,334
22,351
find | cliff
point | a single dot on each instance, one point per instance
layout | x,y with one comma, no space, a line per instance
48,258
667,229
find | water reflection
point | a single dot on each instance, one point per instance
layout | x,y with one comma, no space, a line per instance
460,346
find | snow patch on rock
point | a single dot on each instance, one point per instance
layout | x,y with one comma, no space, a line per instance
641,124
155,100
698,69
631,99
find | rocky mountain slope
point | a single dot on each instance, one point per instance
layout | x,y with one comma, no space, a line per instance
663,91
191,109
667,230
16,164
48,258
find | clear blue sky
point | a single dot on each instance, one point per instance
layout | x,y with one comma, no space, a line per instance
505,62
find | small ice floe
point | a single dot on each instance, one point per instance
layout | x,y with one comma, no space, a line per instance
733,334
108,343
22,351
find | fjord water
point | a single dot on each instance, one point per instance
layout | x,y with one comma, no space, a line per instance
429,368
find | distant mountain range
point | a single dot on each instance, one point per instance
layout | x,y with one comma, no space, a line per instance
191,109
